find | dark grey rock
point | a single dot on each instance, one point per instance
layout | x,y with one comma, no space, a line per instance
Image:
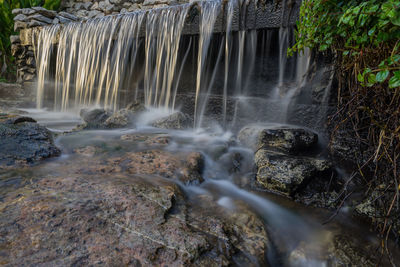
24,11
94,118
16,11
121,118
15,39
30,61
286,174
23,141
36,23
48,13
63,20
284,139
94,13
19,25
41,18
29,77
68,15
176,120
136,107
20,17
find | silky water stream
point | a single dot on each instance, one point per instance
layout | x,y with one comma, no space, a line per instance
223,80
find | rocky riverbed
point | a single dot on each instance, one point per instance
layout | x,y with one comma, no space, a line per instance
127,188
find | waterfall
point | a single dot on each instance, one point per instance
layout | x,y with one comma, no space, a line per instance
93,57
209,12
141,55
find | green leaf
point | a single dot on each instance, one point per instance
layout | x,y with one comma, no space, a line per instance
371,79
382,75
360,77
395,80
371,31
396,19
387,7
323,47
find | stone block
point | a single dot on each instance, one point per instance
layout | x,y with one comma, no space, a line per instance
15,39
19,25
36,23
68,15
48,13
20,17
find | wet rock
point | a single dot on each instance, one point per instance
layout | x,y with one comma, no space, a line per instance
68,15
287,174
24,11
185,167
149,140
176,120
20,17
14,39
19,25
63,20
23,141
339,251
94,118
41,18
19,119
284,139
94,13
45,12
36,23
106,6
136,107
121,118
124,117
346,252
124,220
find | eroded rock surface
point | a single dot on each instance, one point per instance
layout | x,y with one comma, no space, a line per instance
176,120
23,141
286,163
283,139
286,174
84,219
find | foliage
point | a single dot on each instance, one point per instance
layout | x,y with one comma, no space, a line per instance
364,37
355,28
7,68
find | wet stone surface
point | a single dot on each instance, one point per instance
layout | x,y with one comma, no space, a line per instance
120,216
23,141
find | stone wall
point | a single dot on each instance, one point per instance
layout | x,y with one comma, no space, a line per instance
27,18
96,9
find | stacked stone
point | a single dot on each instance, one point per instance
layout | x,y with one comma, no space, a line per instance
99,8
29,18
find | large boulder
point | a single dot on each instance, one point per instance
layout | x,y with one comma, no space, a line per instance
94,118
176,120
80,218
286,174
23,141
277,138
106,119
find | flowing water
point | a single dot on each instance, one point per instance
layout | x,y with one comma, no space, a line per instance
293,229
143,55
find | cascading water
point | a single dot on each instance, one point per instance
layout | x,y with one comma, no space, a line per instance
143,53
